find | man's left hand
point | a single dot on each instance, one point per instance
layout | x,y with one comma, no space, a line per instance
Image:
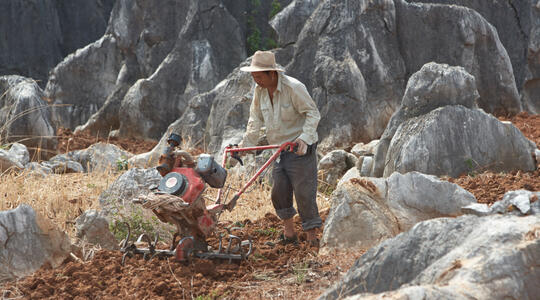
302,147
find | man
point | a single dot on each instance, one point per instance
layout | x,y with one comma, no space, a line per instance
284,106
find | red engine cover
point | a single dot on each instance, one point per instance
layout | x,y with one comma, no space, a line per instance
195,184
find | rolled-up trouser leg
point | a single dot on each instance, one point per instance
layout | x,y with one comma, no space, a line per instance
298,174
282,193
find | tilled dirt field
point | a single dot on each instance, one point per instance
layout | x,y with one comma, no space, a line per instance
272,271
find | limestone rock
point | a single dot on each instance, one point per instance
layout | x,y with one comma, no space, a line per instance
28,241
93,227
459,36
366,210
453,140
435,85
289,22
26,117
467,257
334,164
358,217
98,157
58,28
129,185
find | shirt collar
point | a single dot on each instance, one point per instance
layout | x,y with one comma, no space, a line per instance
279,82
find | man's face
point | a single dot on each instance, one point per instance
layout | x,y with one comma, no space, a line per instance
263,78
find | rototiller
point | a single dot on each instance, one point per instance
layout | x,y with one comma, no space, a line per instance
178,200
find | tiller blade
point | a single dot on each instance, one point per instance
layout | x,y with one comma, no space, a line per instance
186,248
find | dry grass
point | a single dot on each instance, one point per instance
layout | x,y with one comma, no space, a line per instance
62,198
255,202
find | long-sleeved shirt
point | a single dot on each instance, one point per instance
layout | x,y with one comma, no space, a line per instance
292,115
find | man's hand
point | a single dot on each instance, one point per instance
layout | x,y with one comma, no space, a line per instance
302,147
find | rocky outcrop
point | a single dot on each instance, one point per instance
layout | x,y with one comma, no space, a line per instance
56,29
166,54
459,36
26,116
520,202
348,57
440,92
518,27
81,83
443,259
28,241
455,140
15,158
367,210
93,227
129,185
289,22
334,164
531,87
98,157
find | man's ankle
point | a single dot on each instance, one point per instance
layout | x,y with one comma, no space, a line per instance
288,228
312,234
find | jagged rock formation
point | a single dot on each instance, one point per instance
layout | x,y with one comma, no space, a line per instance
150,62
468,257
26,117
38,34
28,241
367,210
438,129
518,27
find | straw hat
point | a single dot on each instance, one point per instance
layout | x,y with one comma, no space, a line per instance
262,61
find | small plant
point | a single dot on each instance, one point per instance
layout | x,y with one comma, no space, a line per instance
122,164
259,256
91,186
137,222
471,166
276,8
268,232
271,43
300,270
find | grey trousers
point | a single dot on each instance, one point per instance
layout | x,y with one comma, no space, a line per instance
297,174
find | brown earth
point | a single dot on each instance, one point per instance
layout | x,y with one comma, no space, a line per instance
489,187
69,141
273,270
278,271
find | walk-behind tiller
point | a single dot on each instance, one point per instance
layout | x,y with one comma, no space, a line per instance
178,200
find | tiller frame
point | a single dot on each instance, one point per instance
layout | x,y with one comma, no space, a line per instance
195,245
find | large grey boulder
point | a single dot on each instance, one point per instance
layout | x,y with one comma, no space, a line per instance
334,165
98,157
28,241
492,257
454,140
367,210
16,157
459,36
518,27
347,55
57,28
289,22
444,88
93,227
80,84
152,60
531,87
415,197
26,117
358,218
213,119
129,185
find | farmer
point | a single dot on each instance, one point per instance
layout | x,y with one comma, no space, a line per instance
283,105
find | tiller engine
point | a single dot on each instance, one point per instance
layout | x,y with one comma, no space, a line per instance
178,200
